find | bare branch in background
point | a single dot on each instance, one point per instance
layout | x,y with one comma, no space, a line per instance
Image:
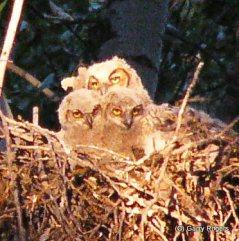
31,79
60,12
11,32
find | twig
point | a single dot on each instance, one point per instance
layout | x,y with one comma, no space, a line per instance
5,106
229,126
60,12
33,147
10,159
232,206
30,126
11,32
185,100
121,222
197,46
35,115
22,231
105,150
156,230
179,220
31,79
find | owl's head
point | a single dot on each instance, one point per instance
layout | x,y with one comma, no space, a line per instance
123,107
80,108
114,72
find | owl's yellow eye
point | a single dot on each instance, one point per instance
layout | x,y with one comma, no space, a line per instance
77,114
119,77
137,110
115,80
94,83
117,112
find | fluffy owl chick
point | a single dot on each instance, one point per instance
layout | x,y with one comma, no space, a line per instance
112,72
104,75
80,118
126,128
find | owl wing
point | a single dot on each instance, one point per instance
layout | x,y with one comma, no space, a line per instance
162,117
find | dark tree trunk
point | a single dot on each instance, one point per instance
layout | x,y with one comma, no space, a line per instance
138,25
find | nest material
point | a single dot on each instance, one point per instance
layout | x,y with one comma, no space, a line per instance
95,194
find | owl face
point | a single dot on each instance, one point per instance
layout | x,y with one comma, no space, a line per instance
102,82
80,108
82,118
113,72
124,108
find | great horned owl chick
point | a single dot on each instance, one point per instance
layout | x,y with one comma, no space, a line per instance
80,118
126,127
104,75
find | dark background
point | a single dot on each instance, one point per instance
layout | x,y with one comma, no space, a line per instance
51,48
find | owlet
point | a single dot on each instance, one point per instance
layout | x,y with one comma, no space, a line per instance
127,126
80,118
104,75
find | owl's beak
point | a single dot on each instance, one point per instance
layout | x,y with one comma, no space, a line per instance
128,122
103,90
89,121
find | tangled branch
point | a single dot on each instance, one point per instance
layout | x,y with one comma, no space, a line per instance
94,194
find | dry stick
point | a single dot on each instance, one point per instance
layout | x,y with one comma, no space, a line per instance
185,100
6,106
156,230
8,42
170,145
35,115
11,32
30,78
121,223
229,127
30,126
180,117
10,158
232,206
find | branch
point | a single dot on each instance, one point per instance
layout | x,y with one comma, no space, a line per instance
60,12
113,192
197,46
185,100
11,32
4,106
31,79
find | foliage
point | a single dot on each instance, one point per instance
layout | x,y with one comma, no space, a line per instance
211,29
2,5
50,49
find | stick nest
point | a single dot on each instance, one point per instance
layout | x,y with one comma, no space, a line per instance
95,194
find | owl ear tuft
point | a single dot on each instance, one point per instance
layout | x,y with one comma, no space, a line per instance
75,82
82,71
81,78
